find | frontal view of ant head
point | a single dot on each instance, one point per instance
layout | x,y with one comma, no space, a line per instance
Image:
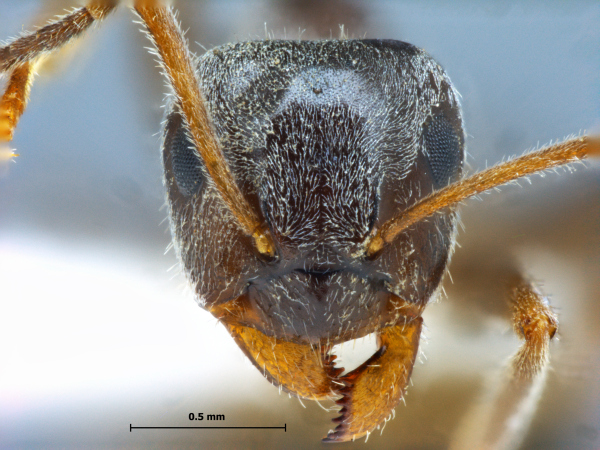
312,191
327,140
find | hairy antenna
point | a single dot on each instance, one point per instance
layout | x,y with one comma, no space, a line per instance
566,152
177,64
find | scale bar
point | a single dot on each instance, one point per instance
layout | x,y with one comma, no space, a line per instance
284,428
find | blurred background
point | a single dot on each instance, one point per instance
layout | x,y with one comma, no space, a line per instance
97,328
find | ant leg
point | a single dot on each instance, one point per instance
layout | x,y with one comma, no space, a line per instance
14,100
52,36
373,390
19,57
535,323
508,414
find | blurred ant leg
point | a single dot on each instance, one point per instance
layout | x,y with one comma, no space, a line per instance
19,56
566,152
172,49
373,390
14,100
502,422
52,36
535,323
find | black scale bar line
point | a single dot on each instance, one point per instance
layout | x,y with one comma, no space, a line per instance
131,427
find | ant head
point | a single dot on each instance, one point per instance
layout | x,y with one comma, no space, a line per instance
327,140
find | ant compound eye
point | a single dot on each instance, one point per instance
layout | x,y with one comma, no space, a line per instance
185,161
186,164
443,141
